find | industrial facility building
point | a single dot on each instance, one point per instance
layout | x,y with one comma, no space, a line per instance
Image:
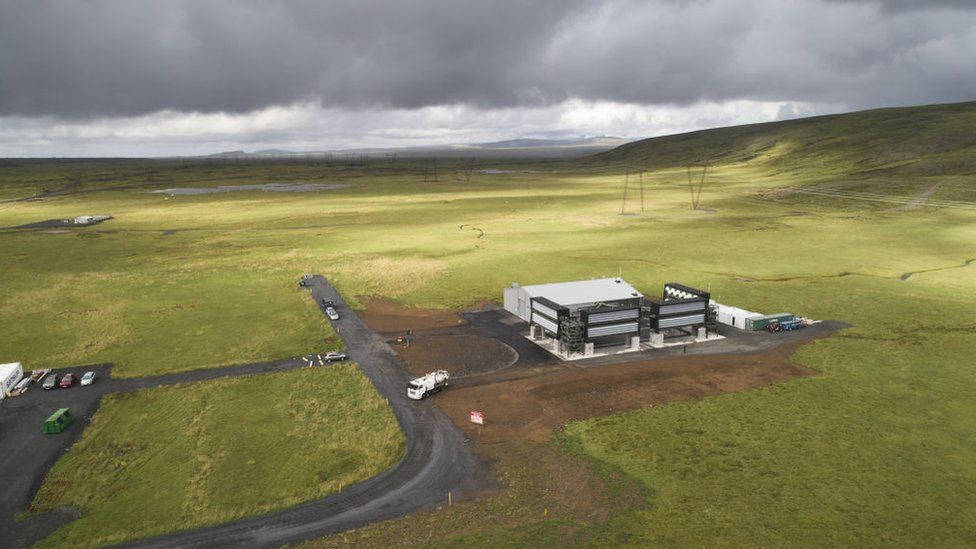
577,317
683,310
580,314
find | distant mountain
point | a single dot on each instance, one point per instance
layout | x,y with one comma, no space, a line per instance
525,147
228,154
527,143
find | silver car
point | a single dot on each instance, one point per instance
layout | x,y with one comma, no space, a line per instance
87,379
332,313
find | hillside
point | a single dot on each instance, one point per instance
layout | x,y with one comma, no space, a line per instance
922,141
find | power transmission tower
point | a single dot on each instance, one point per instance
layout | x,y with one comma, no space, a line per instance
623,204
696,193
640,187
430,171
642,190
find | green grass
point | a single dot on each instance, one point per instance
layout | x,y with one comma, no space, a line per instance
179,457
875,449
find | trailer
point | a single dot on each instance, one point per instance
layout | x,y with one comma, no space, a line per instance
10,376
786,325
429,384
762,322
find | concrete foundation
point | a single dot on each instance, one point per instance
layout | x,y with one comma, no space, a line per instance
656,340
532,331
702,335
588,350
635,343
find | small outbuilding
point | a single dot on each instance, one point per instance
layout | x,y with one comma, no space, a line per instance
733,316
59,421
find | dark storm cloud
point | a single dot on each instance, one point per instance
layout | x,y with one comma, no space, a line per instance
110,58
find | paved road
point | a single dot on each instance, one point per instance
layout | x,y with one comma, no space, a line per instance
26,455
436,461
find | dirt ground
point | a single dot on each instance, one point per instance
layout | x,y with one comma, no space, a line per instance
531,408
385,316
524,404
461,355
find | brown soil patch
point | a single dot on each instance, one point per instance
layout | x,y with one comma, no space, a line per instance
389,317
543,482
461,355
533,407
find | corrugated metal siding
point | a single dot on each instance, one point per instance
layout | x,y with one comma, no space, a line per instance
612,329
677,321
613,316
682,308
545,323
548,311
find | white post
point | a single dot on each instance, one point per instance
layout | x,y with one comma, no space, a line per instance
588,350
635,343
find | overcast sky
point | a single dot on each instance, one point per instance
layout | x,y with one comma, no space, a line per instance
130,77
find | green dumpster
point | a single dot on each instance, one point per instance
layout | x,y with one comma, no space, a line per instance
58,421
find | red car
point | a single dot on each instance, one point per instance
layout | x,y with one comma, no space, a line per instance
67,381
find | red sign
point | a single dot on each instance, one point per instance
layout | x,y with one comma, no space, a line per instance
477,417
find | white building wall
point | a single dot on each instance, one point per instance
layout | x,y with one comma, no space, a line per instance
733,316
517,302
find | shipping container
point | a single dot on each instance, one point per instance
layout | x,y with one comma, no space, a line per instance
762,322
58,421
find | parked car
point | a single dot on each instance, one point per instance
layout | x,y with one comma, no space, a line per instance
328,303
332,313
87,379
334,356
50,382
67,381
38,375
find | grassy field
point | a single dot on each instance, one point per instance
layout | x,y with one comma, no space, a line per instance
178,457
873,451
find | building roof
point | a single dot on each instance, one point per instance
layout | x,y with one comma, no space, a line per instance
734,310
584,291
7,368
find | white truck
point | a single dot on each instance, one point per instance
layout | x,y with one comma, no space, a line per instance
427,385
10,376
